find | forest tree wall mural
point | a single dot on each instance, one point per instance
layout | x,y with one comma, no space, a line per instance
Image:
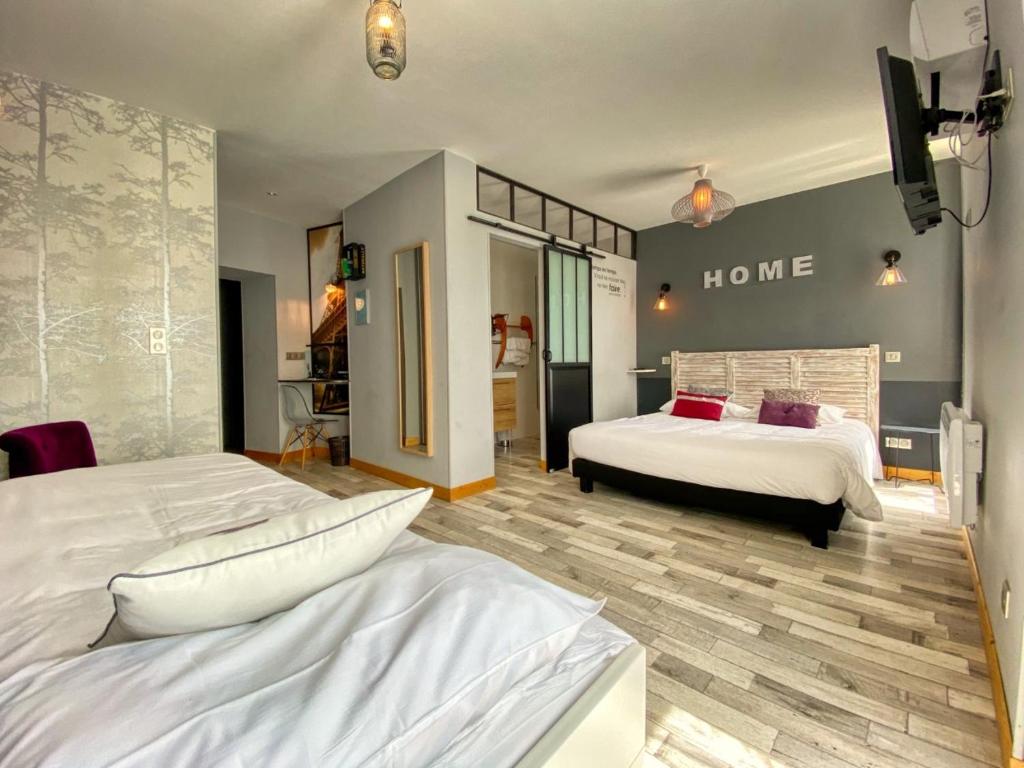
106,232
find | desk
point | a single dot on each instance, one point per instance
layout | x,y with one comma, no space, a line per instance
320,407
930,432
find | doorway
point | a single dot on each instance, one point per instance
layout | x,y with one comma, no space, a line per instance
516,364
250,398
232,371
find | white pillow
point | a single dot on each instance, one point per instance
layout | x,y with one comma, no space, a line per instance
249,573
667,407
830,414
736,411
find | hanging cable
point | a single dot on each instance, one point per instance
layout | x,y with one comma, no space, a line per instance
988,194
956,138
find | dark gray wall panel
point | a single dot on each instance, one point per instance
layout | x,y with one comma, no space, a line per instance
846,227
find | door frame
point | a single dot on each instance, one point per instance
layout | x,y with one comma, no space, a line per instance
546,353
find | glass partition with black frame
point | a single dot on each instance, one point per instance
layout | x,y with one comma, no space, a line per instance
567,358
507,199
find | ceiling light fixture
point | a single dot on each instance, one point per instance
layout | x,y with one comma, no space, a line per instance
891,275
385,38
704,204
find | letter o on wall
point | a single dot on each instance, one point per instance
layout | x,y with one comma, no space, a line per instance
739,275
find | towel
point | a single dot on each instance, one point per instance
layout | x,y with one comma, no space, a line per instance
517,352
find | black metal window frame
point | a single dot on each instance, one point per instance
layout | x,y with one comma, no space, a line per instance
572,211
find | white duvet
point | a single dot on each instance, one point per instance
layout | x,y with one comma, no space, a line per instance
831,462
436,655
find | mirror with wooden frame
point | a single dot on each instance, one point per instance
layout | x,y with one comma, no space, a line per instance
415,377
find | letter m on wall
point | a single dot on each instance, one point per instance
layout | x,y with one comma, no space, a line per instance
769,270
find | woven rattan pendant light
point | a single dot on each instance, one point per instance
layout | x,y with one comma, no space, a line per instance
704,204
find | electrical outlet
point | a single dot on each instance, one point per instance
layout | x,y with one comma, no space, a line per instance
904,444
1004,600
157,341
666,361
893,357
294,355
892,442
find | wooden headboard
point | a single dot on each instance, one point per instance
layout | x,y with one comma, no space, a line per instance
846,377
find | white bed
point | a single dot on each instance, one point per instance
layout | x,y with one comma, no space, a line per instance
836,461
808,475
436,655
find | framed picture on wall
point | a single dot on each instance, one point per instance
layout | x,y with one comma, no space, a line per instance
328,325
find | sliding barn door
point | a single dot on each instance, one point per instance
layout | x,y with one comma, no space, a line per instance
567,365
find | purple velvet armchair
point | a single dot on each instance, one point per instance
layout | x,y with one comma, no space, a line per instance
47,448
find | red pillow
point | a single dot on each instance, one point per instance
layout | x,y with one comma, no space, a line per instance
693,406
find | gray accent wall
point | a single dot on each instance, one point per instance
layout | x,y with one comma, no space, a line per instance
994,369
846,227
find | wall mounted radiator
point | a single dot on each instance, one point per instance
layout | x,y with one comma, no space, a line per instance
960,456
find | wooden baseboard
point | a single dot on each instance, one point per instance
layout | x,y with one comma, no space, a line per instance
909,473
320,452
543,464
471,489
992,658
440,491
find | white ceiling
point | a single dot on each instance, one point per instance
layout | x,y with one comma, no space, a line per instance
597,102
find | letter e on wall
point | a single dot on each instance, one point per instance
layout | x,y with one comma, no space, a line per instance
803,266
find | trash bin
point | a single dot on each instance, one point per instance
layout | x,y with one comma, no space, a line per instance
339,450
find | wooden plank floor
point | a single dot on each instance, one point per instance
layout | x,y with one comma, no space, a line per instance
762,651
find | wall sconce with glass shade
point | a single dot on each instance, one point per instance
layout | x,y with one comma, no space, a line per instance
662,303
385,38
891,275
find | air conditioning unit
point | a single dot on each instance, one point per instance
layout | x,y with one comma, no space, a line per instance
948,36
960,458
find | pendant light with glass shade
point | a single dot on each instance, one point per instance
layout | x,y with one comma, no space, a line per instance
385,38
891,275
704,204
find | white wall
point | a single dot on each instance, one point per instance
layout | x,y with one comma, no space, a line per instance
259,244
514,292
994,364
613,288
431,202
406,210
469,327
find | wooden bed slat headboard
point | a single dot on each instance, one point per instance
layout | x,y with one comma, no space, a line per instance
846,377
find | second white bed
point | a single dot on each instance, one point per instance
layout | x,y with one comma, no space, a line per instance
436,655
831,462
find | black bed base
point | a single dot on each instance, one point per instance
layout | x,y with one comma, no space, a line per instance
814,519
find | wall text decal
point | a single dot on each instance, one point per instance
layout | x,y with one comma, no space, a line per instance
767,271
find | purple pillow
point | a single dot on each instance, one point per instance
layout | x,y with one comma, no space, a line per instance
782,414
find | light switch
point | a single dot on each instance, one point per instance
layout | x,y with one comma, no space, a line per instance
666,361
892,357
157,341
